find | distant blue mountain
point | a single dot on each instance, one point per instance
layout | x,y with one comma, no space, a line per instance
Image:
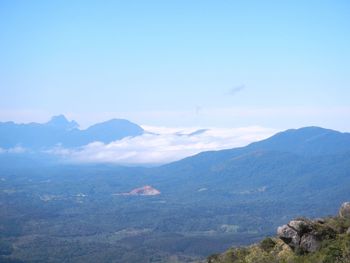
307,141
309,161
60,122
60,131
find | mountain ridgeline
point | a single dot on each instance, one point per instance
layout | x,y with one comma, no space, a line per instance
60,131
294,163
308,141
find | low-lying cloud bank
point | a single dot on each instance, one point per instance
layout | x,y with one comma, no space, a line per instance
162,145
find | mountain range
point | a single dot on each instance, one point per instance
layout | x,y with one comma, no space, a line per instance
60,131
204,203
301,163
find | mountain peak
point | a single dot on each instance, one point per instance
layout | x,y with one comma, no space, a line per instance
61,122
306,141
114,129
115,122
309,131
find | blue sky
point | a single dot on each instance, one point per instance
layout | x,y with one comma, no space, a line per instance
277,64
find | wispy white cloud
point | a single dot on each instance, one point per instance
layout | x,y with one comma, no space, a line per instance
17,149
164,144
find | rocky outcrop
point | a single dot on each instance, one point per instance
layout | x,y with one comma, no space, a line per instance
289,235
344,210
301,240
304,235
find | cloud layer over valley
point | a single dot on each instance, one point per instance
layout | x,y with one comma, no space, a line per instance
162,145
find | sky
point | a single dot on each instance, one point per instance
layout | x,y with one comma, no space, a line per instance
222,64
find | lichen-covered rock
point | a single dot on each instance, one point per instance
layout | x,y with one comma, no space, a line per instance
309,243
289,235
301,225
304,235
344,210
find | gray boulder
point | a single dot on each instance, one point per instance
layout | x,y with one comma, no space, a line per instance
289,236
309,243
301,225
304,235
344,210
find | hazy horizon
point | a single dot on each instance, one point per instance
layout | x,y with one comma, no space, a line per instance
155,146
170,131
182,64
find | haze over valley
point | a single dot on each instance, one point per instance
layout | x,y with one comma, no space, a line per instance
183,210
174,131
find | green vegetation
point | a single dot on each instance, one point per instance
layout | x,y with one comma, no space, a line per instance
333,249
267,244
69,213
